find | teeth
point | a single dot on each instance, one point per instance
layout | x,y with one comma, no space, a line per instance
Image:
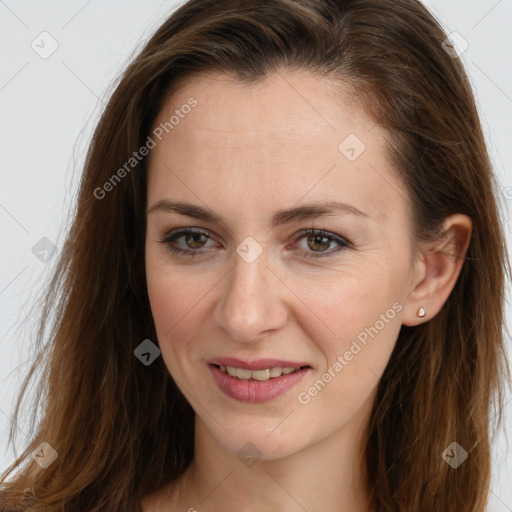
266,374
260,374
243,374
275,372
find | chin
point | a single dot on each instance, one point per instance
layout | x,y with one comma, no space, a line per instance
251,445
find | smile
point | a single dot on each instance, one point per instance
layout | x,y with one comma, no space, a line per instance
256,386
265,374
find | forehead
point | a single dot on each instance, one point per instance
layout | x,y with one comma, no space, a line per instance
294,106
293,136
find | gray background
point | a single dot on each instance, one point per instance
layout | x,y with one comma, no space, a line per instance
49,106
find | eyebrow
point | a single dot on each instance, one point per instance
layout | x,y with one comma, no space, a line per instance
286,216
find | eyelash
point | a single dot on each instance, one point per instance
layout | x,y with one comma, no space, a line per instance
172,236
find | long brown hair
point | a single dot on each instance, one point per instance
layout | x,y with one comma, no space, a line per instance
122,429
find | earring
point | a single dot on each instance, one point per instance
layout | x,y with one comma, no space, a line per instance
421,312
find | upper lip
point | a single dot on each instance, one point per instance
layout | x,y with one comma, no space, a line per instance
256,364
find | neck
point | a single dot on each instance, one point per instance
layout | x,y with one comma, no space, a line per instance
322,476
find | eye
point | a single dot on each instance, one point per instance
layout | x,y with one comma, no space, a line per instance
320,238
196,239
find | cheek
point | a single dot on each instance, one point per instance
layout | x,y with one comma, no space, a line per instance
178,299
174,322
364,323
172,291
174,301
357,315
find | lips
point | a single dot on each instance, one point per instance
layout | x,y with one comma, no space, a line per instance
247,381
258,364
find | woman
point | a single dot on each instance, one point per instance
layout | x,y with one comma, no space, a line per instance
283,288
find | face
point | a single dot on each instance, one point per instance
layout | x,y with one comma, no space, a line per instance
251,284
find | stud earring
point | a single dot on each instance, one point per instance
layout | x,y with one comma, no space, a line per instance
421,312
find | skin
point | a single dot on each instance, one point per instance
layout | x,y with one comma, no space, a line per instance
246,152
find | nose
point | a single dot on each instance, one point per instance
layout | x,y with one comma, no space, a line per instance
251,301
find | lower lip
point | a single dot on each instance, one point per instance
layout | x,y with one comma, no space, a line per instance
255,391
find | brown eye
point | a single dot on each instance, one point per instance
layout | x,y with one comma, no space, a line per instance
194,239
319,240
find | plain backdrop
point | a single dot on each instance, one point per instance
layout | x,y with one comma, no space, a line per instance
58,60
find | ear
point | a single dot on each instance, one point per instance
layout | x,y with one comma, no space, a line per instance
437,269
